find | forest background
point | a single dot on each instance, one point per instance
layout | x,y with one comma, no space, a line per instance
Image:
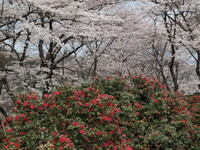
50,42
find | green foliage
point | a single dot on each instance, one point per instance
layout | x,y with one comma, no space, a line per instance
107,113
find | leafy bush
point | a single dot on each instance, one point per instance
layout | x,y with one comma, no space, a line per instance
107,113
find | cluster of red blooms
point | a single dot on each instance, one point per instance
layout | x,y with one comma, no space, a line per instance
81,117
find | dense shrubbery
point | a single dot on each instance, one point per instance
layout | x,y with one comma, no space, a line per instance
112,113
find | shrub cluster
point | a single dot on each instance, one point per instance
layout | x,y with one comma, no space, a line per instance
117,113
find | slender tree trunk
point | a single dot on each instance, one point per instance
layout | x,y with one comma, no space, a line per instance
171,30
198,67
171,68
94,74
164,79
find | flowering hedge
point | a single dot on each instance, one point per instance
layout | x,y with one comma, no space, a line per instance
124,113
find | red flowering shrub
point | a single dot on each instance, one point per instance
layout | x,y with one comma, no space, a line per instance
113,113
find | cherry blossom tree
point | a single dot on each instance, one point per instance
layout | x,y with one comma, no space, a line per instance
41,35
160,39
174,44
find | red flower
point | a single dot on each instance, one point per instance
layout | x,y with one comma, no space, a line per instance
44,104
105,118
63,139
22,133
100,105
183,121
55,133
117,110
46,95
103,96
155,101
82,126
25,103
26,119
17,117
61,148
81,131
99,133
5,147
75,123
57,93
32,106
93,102
76,98
86,104
128,148
82,94
111,97
22,115
123,141
89,88
9,130
111,132
18,102
138,105
9,118
79,103
17,145
105,145
111,113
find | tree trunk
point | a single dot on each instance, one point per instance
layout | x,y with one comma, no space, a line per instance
94,74
171,68
198,67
